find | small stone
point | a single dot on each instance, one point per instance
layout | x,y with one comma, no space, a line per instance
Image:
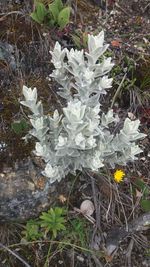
87,207
81,259
60,262
31,186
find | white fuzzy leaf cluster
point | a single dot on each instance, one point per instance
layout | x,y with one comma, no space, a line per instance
80,137
82,72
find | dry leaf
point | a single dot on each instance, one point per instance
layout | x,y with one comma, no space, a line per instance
62,199
115,43
145,40
108,258
138,194
87,207
41,183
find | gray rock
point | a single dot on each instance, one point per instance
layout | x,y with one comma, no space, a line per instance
25,193
7,54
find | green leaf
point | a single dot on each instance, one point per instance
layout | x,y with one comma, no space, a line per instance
32,231
145,204
85,39
19,126
57,4
54,10
143,187
41,11
34,16
53,220
63,17
76,40
39,14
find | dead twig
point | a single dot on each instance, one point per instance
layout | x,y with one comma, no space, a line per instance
88,217
15,254
97,206
129,251
123,210
117,234
96,260
5,15
110,202
97,226
124,11
144,9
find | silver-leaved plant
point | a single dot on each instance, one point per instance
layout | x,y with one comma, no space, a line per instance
82,136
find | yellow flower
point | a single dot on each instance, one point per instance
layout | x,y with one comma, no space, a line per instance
118,176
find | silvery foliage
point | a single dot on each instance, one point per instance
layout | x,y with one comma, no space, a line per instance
80,137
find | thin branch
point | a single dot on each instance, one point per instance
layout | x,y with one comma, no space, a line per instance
118,90
15,255
97,261
123,10
4,15
129,251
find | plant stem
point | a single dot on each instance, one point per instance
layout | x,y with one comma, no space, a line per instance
48,254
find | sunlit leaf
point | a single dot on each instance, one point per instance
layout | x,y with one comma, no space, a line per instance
63,17
145,204
54,10
41,11
39,14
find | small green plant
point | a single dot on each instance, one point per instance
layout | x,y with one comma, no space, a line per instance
32,231
146,81
19,126
130,64
40,13
77,232
124,79
80,39
53,220
55,14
